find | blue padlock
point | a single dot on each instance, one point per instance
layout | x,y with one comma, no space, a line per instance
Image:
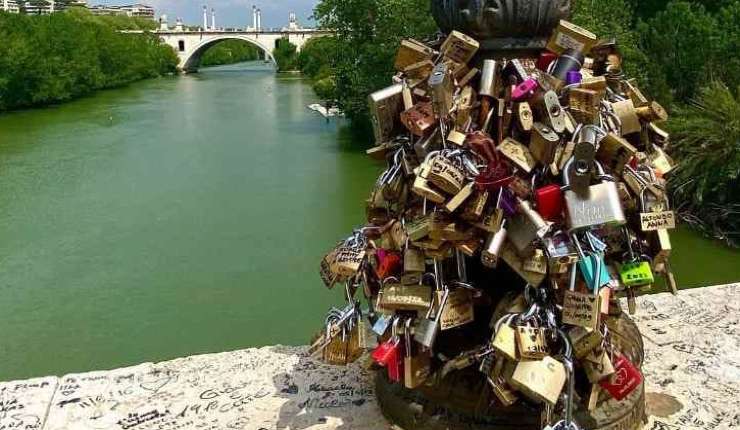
587,266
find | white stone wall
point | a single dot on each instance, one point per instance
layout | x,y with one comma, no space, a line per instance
692,371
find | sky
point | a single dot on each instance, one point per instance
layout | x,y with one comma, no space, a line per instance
229,13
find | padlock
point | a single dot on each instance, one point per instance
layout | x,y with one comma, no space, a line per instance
627,114
571,60
417,365
653,112
504,338
395,296
581,309
549,199
493,246
542,227
525,117
419,119
540,380
410,52
570,36
536,263
615,151
441,88
518,154
584,341
475,206
544,142
626,378
636,274
560,252
602,206
584,104
385,106
545,59
455,202
428,328
413,260
446,175
458,309
388,265
419,71
531,342
525,90
522,233
459,47
514,72
654,220
421,185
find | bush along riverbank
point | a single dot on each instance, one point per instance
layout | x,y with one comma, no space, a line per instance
54,58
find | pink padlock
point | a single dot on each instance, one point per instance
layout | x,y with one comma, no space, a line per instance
524,90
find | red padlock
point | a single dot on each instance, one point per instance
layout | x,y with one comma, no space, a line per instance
549,202
546,58
387,351
626,378
389,263
395,367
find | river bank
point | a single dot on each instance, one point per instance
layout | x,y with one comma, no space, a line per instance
692,353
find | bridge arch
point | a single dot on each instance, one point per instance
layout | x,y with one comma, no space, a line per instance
191,60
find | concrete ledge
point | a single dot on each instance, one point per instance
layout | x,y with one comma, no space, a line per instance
692,371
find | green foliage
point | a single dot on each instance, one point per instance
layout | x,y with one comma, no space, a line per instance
706,140
230,52
52,58
285,55
318,56
682,43
368,33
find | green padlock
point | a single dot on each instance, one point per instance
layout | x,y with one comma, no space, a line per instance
636,274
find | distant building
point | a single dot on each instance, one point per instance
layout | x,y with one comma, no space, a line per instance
138,10
10,6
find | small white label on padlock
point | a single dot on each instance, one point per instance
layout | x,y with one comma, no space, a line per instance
652,221
568,42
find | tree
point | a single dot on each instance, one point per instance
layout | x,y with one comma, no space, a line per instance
368,33
285,55
706,140
682,42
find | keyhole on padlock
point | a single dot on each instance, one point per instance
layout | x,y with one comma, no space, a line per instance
582,167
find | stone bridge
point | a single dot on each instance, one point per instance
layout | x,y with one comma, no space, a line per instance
191,44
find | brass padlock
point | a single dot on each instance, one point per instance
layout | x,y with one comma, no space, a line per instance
419,71
615,151
504,339
570,36
458,310
525,117
584,105
417,365
540,380
410,52
627,114
532,342
459,47
397,297
460,198
518,154
543,143
598,366
584,341
419,119
446,175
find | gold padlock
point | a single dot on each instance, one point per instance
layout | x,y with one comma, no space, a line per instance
540,380
410,52
458,309
532,342
518,154
459,47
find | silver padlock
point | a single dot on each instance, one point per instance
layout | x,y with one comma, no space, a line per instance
598,207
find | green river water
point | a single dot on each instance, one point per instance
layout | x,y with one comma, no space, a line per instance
185,215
